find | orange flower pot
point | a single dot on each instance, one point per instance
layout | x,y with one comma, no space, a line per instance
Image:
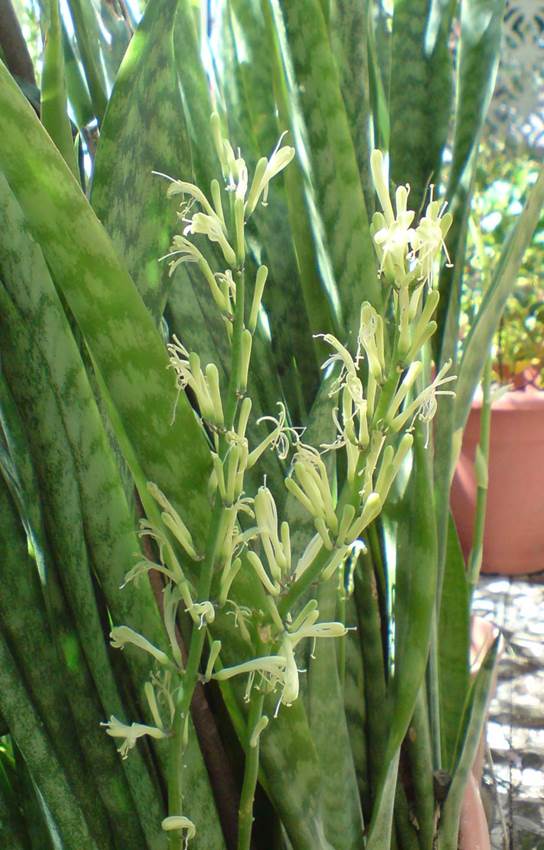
473,825
514,533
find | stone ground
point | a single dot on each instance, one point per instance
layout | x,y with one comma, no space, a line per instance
514,776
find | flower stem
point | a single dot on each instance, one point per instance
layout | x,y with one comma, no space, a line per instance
198,635
251,771
236,362
190,679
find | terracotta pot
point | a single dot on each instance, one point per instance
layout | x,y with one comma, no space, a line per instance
514,534
473,825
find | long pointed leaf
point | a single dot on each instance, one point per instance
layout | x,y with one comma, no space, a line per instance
474,719
414,606
54,114
53,387
88,42
420,96
453,642
341,803
119,332
478,59
129,200
349,38
25,726
334,167
25,625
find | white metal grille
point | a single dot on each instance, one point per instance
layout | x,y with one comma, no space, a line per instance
517,109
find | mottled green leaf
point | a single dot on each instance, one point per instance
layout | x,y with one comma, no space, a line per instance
38,821
88,520
197,100
124,344
340,200
349,38
415,586
253,68
13,833
477,63
293,777
354,701
341,804
453,646
85,509
143,131
36,746
25,625
78,93
420,784
377,707
420,97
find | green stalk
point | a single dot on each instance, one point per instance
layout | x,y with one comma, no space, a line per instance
297,589
341,617
434,696
190,679
235,375
377,559
251,772
482,465
198,635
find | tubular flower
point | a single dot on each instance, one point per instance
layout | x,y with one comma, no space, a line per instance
429,240
212,227
391,230
424,405
120,636
173,521
279,439
180,187
371,339
183,251
312,487
130,733
182,824
348,366
205,385
276,544
233,167
394,238
265,171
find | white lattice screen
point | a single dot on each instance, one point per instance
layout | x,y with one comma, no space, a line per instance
517,109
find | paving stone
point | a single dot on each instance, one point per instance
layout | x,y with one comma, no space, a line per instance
514,777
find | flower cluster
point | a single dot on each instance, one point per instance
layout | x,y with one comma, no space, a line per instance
378,393
409,257
407,254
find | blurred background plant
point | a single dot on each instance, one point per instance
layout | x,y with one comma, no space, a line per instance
378,749
505,169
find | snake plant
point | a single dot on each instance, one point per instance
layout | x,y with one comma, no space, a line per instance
231,401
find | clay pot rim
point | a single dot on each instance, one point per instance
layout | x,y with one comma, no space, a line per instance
529,398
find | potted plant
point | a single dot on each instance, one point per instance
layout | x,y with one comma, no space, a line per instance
228,430
515,477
